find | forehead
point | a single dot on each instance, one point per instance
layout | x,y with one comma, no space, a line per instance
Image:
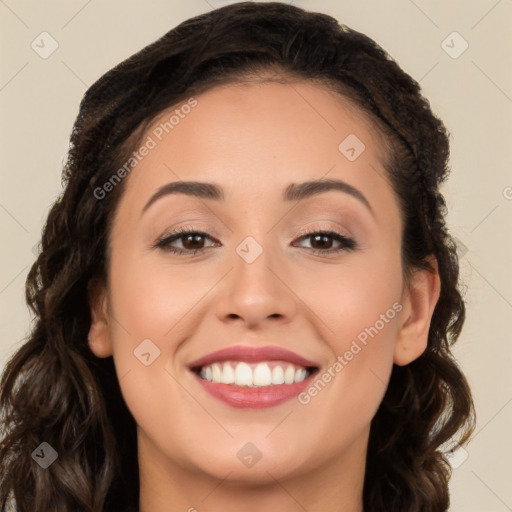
257,138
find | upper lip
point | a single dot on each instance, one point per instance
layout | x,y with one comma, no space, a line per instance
252,355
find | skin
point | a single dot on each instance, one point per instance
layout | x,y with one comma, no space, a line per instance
254,139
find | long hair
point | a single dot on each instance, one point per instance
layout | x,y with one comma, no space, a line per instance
55,390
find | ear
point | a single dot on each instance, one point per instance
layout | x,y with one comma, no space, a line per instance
420,299
99,333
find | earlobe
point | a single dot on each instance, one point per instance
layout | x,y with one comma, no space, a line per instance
421,299
99,333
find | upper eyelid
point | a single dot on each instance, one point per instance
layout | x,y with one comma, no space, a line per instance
308,231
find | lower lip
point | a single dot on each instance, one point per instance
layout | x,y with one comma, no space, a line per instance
254,397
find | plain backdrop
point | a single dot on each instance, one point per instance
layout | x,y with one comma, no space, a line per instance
459,52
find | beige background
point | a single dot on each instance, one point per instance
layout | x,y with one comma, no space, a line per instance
472,93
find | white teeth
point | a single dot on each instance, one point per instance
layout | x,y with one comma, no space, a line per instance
277,375
228,374
289,375
262,375
216,372
254,374
243,374
206,373
300,375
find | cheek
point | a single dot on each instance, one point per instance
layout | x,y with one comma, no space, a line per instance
360,309
346,394
151,297
151,301
352,298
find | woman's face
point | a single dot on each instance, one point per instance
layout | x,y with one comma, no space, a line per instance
273,300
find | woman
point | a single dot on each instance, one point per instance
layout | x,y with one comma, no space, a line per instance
247,293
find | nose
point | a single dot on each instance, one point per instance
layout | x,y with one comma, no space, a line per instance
256,293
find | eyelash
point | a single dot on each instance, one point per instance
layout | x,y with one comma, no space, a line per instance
348,244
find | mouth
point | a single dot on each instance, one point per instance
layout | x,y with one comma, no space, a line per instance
249,377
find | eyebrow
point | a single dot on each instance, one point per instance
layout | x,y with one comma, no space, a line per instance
293,192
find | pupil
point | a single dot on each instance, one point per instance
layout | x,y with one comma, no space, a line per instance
195,238
323,239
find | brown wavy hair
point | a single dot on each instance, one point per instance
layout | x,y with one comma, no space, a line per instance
54,389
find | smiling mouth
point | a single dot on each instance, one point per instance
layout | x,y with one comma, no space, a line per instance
254,374
251,377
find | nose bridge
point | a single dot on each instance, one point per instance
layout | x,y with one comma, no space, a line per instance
253,290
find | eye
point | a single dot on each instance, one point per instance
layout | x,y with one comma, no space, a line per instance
322,242
192,241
